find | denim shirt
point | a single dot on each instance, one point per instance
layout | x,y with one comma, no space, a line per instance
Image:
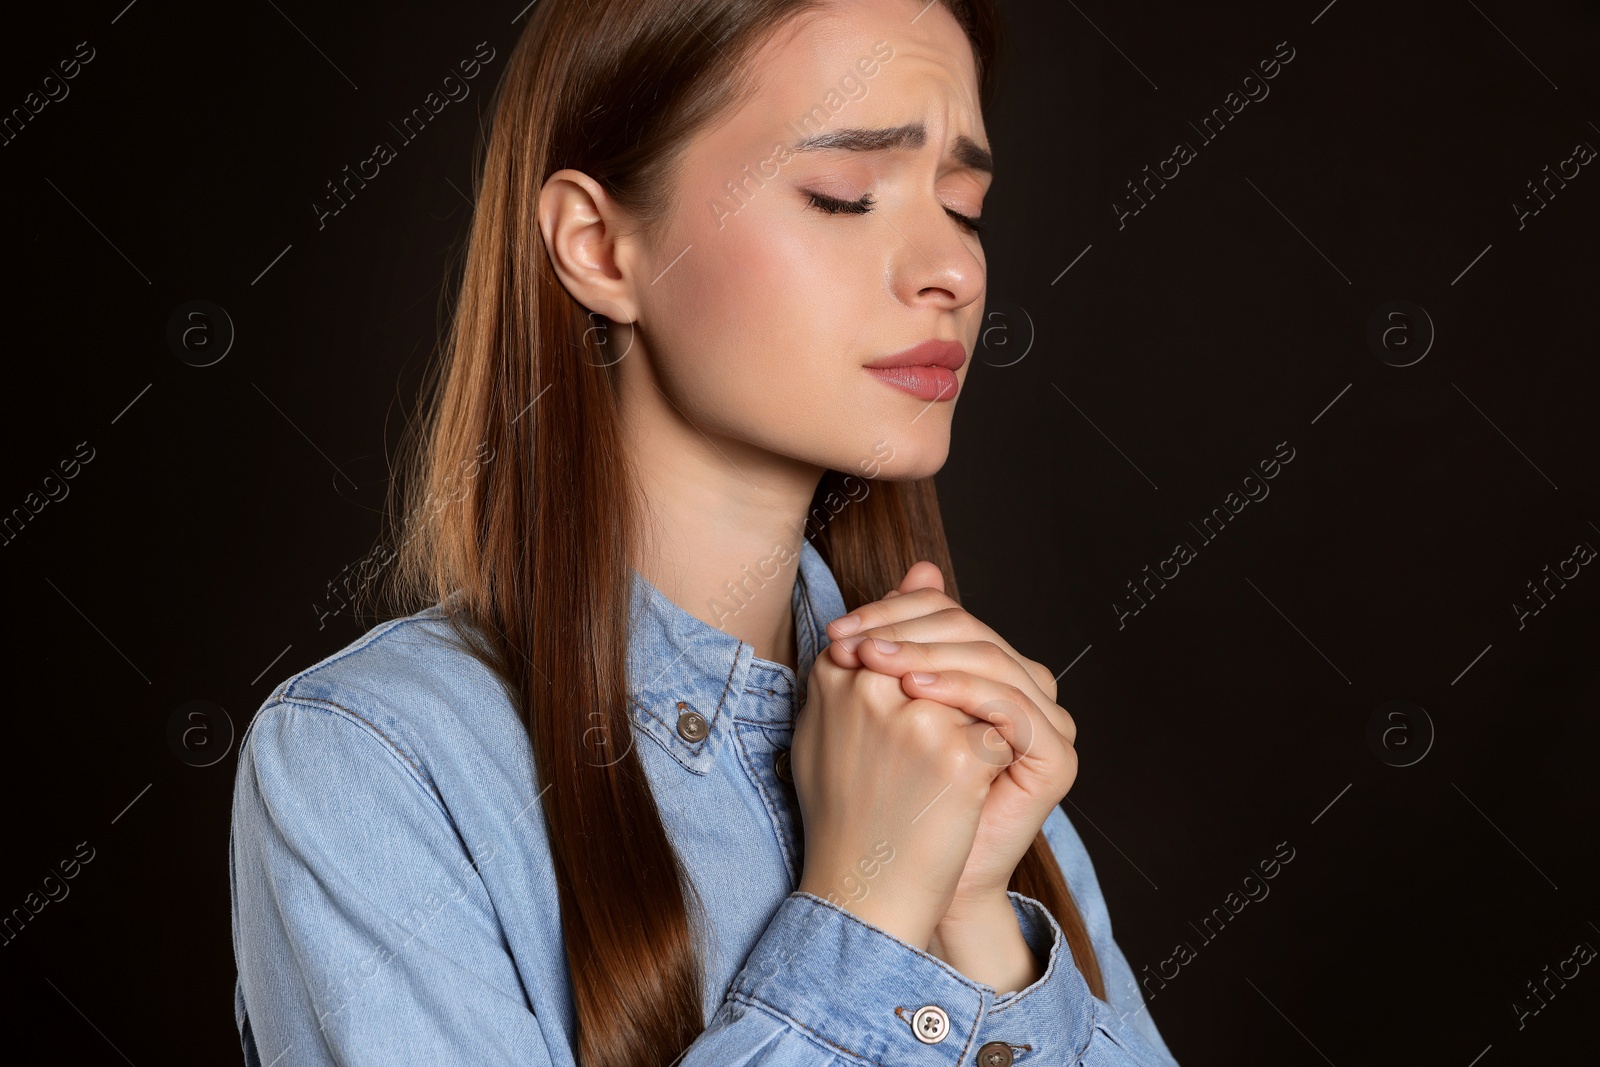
394,900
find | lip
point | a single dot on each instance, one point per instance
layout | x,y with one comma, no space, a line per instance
926,371
931,353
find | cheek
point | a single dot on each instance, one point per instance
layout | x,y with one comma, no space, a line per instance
761,328
762,299
742,285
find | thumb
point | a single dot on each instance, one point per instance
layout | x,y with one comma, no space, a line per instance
923,574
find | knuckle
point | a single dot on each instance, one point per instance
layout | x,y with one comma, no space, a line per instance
994,657
823,669
1046,679
1068,772
881,702
959,763
927,727
924,715
875,687
889,631
871,615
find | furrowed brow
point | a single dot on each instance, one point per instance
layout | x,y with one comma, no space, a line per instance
968,152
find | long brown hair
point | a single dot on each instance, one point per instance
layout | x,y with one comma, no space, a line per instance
520,512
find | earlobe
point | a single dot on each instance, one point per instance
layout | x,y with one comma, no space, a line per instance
583,234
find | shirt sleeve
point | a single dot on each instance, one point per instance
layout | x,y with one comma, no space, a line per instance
1125,996
361,930
1057,1016
364,936
855,988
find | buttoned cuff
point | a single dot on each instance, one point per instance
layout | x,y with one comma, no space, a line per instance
1039,928
854,987
1053,1018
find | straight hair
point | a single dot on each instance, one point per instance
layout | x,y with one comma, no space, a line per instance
519,513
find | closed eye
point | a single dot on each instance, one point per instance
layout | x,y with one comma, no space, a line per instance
835,206
842,207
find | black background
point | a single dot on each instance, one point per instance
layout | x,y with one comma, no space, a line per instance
1126,397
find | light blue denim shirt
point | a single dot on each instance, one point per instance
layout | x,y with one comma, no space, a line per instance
394,900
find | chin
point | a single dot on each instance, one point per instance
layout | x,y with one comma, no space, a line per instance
911,472
899,452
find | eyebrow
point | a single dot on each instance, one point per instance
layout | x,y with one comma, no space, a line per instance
968,153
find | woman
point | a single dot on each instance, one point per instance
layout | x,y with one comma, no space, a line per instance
633,790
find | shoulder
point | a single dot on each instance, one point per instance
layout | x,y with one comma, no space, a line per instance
409,687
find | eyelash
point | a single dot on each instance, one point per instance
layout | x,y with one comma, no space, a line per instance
834,206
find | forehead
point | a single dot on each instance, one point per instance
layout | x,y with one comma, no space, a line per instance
861,62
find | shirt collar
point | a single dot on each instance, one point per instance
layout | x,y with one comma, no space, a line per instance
679,664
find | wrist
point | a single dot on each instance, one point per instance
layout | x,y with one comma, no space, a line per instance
904,920
968,921
983,940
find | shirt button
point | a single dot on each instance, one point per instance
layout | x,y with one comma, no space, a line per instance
781,765
692,726
930,1024
994,1054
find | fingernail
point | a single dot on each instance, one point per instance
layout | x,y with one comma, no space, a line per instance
847,624
885,646
923,677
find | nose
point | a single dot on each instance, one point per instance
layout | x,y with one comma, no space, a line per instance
936,261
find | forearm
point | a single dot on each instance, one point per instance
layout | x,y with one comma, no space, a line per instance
984,942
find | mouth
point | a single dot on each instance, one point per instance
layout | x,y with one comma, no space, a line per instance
926,383
927,370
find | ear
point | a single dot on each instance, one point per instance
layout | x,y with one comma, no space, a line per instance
588,238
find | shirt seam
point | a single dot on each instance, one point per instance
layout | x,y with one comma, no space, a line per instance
766,724
418,775
362,643
881,932
727,683
698,748
782,835
778,1013
1050,968
778,669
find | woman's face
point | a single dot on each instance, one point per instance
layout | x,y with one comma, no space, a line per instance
758,310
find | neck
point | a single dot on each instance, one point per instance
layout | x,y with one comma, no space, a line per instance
722,525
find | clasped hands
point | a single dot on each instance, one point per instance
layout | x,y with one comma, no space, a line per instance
939,651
